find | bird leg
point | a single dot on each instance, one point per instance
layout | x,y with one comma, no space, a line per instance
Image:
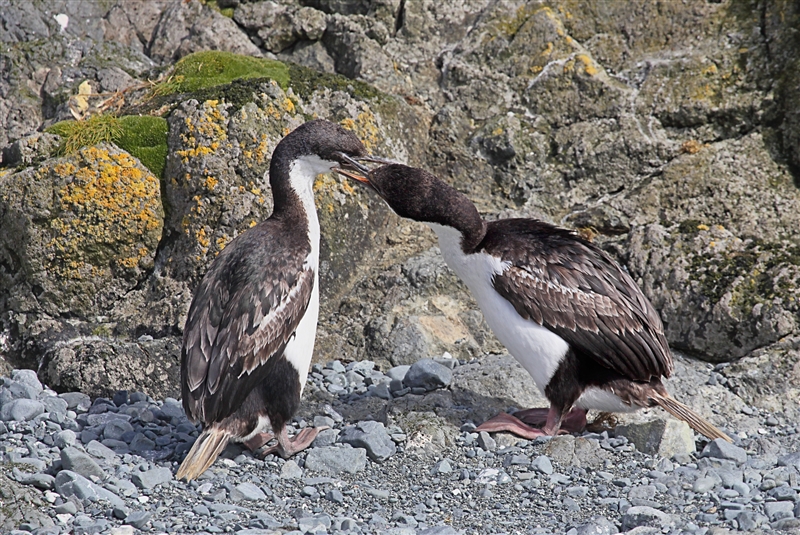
547,422
286,447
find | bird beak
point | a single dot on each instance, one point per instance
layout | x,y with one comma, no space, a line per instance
349,174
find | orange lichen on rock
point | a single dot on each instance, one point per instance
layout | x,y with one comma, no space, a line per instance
110,213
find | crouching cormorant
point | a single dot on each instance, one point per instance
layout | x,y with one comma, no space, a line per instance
569,314
250,331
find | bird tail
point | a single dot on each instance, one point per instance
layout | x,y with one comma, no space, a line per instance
682,412
204,452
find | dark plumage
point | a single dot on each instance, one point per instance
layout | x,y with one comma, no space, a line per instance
250,330
565,310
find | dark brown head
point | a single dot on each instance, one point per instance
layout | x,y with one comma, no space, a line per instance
416,194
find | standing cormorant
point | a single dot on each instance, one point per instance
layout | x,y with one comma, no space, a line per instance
250,330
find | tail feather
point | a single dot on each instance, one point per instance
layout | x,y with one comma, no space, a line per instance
204,452
682,412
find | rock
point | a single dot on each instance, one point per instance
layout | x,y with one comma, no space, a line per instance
792,459
333,460
428,374
40,481
290,470
721,449
138,519
68,483
486,442
247,491
542,464
599,525
115,429
100,451
314,523
398,373
777,510
371,436
77,401
21,410
77,461
327,437
664,437
151,478
27,377
643,516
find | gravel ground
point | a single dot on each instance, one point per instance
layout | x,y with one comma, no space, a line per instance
69,464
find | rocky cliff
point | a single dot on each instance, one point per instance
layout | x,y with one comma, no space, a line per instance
668,133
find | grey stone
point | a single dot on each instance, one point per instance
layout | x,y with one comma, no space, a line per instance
371,436
100,451
778,510
664,437
704,484
247,491
792,459
55,405
290,470
721,449
314,523
599,525
65,438
398,373
542,464
27,377
442,467
68,483
151,478
21,410
335,496
438,530
138,519
67,507
77,461
40,481
333,460
643,516
428,374
116,428
327,437
486,442
77,401
142,443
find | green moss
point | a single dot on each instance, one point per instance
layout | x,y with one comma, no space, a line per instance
305,81
225,11
144,137
78,134
211,68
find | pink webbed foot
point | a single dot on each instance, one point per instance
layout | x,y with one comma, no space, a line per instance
507,422
286,447
573,422
258,441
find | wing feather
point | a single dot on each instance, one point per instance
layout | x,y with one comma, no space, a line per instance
241,316
576,290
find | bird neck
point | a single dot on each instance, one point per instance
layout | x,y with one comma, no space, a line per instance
462,239
293,193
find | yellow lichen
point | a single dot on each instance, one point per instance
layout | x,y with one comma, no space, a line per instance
588,65
702,227
108,207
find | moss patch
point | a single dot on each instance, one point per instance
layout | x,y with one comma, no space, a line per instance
305,81
211,68
144,137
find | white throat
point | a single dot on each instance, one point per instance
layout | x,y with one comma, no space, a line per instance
302,174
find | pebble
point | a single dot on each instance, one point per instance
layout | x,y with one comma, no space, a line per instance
722,449
371,436
428,374
472,482
149,479
77,461
335,460
21,410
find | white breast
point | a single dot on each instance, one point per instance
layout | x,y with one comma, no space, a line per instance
536,348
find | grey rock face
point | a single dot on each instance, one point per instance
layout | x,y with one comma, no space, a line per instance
371,436
665,437
247,491
643,516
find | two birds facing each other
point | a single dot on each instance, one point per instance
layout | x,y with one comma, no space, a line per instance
562,307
